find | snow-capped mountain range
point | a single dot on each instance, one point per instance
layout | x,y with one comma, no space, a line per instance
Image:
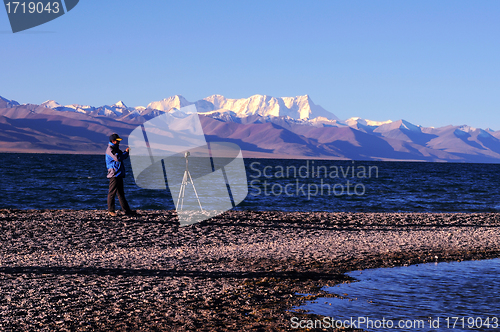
263,126
299,108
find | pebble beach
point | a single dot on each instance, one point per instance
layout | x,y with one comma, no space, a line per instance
67,270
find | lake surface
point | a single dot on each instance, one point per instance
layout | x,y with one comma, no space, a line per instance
42,181
457,296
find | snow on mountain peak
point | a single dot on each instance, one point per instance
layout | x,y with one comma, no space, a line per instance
216,100
354,121
167,104
409,126
377,123
466,129
299,107
398,125
51,104
306,108
120,104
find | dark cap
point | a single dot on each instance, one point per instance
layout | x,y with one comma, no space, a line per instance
114,137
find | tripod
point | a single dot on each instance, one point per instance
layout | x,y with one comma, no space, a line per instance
184,183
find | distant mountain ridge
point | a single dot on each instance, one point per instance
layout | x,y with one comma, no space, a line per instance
263,126
300,107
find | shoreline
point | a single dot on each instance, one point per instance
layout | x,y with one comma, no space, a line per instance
84,270
254,155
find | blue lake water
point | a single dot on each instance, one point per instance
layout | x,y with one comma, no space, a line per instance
42,181
457,296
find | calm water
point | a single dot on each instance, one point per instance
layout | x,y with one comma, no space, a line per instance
415,293
39,181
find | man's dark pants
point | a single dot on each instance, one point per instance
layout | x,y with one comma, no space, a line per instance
116,188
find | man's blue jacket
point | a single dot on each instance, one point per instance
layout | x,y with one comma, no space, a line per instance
114,161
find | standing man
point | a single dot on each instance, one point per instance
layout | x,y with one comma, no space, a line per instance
116,173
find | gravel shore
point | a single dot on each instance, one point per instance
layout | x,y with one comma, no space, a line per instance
64,270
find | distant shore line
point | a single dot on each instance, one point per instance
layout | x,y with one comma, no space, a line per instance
253,155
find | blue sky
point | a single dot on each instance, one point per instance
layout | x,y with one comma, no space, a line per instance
432,63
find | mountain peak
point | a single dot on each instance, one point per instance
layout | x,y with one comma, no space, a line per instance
398,125
4,102
120,104
216,100
408,125
166,104
216,96
466,128
306,108
356,120
51,104
298,107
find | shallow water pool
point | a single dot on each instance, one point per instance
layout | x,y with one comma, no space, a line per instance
457,296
